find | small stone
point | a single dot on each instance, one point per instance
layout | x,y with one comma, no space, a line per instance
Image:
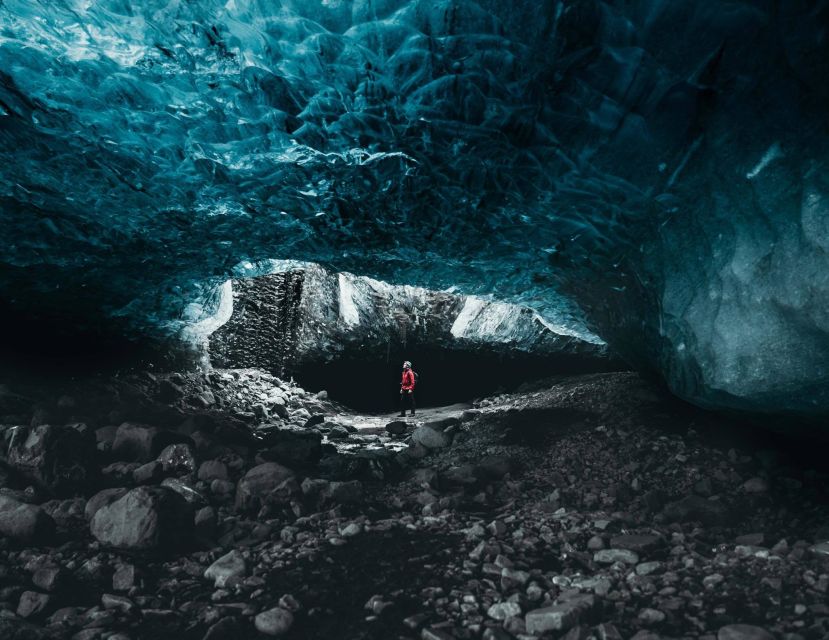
274,622
755,485
119,603
290,603
177,459
561,616
751,539
397,427
32,604
743,632
229,566
504,610
595,543
148,473
124,578
650,616
49,578
639,543
258,483
212,470
647,568
338,432
609,556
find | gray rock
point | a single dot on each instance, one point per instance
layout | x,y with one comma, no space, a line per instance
186,491
148,473
338,432
274,622
430,438
49,578
177,459
820,549
649,617
609,556
504,610
647,568
212,470
743,632
24,523
397,427
205,523
68,514
254,488
229,566
441,424
755,485
636,542
118,603
146,518
33,604
102,499
60,459
561,616
125,577
225,629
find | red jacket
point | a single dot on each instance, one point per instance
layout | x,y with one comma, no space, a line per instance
408,381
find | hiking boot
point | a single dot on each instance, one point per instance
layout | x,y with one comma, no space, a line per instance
412,413
401,415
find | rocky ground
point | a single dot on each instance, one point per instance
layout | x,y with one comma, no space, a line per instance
233,505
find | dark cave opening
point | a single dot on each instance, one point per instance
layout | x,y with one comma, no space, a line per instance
371,383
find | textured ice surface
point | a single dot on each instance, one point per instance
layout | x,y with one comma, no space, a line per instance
662,165
307,315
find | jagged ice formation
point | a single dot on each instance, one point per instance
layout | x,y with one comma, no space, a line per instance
656,168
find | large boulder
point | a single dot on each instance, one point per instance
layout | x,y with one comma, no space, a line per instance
60,459
24,523
145,519
259,483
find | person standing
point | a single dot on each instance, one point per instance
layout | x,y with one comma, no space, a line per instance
407,386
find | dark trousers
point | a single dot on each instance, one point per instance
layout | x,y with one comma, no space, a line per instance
407,398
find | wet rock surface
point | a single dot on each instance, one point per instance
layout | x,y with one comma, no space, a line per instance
588,507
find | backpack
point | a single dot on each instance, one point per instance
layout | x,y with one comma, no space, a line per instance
416,377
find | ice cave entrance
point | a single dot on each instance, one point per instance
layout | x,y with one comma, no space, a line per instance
349,335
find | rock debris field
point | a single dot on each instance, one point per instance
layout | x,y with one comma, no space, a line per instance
231,504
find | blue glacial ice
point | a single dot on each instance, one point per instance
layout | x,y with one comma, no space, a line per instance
655,171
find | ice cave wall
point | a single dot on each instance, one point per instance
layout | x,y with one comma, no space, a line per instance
655,168
305,315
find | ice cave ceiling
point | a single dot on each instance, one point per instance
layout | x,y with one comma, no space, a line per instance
656,167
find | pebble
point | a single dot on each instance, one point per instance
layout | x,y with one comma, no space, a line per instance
504,610
609,556
229,566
